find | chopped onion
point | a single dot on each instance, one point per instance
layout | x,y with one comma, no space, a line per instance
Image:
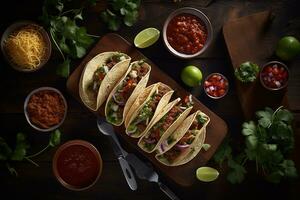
114,107
149,140
105,69
182,107
122,58
130,132
121,103
182,146
147,121
163,146
190,98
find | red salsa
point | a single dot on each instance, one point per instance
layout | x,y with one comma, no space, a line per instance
216,85
186,33
274,76
78,166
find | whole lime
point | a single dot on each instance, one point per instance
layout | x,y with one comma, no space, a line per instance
191,76
287,48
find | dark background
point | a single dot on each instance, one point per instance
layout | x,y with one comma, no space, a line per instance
39,182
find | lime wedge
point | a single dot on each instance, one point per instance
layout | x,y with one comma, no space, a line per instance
207,174
146,37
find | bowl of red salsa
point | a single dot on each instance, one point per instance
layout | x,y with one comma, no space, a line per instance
77,165
274,75
187,32
216,85
45,109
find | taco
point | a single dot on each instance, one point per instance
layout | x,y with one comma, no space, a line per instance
185,142
100,76
126,91
143,115
164,124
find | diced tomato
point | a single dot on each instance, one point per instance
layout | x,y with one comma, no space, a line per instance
274,76
216,85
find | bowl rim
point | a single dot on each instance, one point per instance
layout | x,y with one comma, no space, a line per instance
26,104
17,25
267,64
226,91
67,144
203,17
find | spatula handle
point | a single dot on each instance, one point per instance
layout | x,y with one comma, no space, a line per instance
167,191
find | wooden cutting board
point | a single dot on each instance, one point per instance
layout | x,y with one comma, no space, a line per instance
250,38
217,129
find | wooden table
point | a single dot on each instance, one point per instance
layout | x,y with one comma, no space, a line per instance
39,182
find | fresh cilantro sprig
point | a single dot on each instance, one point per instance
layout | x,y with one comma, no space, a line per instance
247,72
71,40
267,143
126,11
19,153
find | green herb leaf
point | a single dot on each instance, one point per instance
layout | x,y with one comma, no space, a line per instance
237,172
289,169
206,146
265,117
247,72
64,68
21,147
249,128
5,150
223,152
275,177
55,138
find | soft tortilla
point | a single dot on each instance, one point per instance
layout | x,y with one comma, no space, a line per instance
138,88
109,81
193,150
171,128
161,104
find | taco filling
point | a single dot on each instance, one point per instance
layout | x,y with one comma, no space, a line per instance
185,142
102,70
145,114
124,89
164,123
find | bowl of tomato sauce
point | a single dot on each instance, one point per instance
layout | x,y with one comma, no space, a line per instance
216,85
187,32
77,165
274,75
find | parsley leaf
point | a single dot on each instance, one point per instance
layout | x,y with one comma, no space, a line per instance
237,172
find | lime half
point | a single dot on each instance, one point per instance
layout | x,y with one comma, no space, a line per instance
207,174
146,37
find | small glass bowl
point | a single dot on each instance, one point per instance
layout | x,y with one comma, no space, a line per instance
279,64
27,115
207,86
202,17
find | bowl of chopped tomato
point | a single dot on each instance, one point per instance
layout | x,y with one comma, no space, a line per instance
216,85
274,75
187,32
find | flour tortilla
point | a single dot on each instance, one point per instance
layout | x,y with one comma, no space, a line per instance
171,128
112,77
137,90
161,104
194,147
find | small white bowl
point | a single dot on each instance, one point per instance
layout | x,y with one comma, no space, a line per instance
27,115
202,17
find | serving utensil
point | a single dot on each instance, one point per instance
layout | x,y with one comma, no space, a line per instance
144,171
107,129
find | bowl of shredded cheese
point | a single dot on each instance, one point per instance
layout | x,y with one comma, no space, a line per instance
26,46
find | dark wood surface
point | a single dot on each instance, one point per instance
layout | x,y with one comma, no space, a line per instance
216,130
253,96
39,182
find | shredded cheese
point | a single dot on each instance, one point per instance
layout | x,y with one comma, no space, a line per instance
26,47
